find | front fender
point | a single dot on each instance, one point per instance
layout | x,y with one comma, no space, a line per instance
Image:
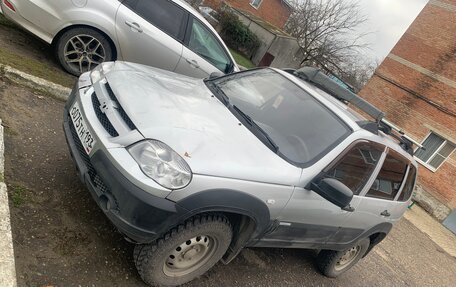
231,201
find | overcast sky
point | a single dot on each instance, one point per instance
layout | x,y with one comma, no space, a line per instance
388,20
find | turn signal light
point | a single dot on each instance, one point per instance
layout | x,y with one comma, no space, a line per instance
9,5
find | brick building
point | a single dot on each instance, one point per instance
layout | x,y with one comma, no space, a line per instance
275,12
416,87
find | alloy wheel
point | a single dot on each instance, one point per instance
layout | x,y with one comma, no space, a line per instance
84,52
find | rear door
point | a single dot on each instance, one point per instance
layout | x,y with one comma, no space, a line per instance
202,53
151,32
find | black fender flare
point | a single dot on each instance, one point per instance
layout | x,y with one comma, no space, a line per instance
382,229
230,201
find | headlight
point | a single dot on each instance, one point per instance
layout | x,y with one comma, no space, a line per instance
159,162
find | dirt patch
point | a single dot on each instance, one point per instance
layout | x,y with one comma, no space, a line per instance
60,236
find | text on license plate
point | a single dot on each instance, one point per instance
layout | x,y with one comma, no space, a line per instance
81,128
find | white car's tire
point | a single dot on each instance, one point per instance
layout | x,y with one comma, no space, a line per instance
333,263
185,252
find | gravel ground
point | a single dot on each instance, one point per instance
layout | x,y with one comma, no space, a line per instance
61,238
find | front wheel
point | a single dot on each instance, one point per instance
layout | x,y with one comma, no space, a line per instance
333,263
184,253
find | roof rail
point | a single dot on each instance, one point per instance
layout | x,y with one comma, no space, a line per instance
318,78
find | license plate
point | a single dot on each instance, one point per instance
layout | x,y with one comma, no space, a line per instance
87,140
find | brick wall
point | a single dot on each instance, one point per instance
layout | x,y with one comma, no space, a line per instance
272,11
423,62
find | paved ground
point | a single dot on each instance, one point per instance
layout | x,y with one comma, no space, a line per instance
62,238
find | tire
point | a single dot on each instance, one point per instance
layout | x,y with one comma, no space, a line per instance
81,49
185,252
332,263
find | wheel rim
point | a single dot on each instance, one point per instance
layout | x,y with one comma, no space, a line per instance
84,52
190,255
348,257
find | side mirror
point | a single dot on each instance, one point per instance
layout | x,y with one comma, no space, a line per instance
335,192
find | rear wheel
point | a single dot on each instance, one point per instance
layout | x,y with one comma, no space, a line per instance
81,49
333,263
185,252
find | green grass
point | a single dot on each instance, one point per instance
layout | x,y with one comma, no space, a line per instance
36,68
32,66
18,195
241,60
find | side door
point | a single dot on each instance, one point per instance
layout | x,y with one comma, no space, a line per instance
202,53
309,220
384,200
151,32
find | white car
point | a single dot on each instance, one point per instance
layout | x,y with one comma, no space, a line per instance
194,170
167,34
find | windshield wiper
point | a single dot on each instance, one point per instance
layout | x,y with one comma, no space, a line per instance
221,94
252,123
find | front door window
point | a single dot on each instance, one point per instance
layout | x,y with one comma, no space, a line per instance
356,166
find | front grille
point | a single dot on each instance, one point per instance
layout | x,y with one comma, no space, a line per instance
122,113
102,117
97,181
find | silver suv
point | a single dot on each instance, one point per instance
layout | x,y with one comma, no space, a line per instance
192,171
168,34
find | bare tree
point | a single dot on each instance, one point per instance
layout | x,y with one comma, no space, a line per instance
325,32
358,73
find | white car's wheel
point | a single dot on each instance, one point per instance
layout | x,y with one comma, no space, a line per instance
81,49
333,263
185,252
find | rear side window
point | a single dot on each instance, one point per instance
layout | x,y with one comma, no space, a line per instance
163,14
357,165
409,184
390,177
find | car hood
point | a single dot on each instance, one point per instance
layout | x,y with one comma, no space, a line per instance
181,112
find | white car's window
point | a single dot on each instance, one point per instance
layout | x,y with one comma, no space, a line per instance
390,177
163,14
206,45
302,128
356,166
409,185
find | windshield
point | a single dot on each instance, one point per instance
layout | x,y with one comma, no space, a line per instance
302,128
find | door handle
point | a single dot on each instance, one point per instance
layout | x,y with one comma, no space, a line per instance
385,213
192,63
134,26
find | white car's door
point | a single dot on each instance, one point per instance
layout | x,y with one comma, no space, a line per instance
151,33
310,220
202,53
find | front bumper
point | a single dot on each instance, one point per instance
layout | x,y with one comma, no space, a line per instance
137,214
